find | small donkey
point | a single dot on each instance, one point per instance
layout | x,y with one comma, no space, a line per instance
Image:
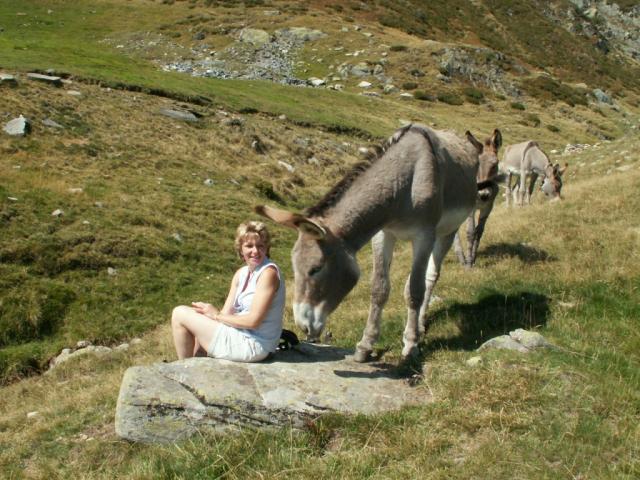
488,191
525,160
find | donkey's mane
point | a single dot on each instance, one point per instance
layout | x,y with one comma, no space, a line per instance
332,197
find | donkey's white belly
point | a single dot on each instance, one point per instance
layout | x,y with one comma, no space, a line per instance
451,220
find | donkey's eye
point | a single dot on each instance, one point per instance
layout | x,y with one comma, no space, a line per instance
314,270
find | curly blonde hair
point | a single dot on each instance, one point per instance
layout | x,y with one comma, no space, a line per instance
252,228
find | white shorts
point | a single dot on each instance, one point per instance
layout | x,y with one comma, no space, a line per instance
231,344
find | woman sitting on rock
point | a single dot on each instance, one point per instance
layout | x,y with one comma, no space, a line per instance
248,326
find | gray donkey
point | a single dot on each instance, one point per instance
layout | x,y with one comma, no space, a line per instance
487,172
420,188
527,160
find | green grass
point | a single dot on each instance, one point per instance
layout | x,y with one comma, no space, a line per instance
568,269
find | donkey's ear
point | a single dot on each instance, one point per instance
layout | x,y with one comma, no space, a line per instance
563,169
311,228
496,140
283,217
474,141
292,220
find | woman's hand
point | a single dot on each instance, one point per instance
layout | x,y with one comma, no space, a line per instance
205,309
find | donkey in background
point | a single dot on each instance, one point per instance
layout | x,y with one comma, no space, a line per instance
420,188
527,160
487,178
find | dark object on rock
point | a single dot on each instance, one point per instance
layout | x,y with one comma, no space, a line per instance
288,340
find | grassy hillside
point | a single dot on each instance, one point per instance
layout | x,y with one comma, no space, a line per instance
142,231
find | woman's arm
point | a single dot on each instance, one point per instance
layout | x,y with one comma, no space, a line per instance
266,289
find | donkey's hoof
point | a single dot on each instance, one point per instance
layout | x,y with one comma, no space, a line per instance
362,356
410,354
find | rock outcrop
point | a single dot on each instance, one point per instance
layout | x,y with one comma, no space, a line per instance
167,402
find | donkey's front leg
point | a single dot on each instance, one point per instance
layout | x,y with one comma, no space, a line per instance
532,185
457,246
382,245
471,229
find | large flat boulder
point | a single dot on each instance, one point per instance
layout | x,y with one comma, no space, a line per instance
167,402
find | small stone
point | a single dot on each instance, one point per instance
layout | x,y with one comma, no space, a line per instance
286,166
75,190
208,182
12,199
18,127
74,93
475,361
177,237
98,204
83,344
57,213
47,122
122,347
529,339
504,342
33,414
53,80
135,341
178,115
111,271
9,80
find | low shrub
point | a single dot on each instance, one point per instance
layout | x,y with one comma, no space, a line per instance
518,106
553,128
450,98
422,95
409,85
399,48
473,95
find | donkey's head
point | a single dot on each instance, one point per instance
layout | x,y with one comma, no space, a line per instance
325,271
552,183
488,157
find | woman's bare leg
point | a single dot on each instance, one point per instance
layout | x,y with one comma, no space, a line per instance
191,331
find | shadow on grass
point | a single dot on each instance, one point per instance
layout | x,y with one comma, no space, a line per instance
492,316
524,252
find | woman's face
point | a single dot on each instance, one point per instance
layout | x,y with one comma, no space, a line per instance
254,251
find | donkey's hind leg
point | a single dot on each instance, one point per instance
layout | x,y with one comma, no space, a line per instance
382,245
440,249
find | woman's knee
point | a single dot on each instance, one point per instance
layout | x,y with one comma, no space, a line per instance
178,314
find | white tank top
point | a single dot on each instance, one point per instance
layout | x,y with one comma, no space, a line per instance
268,333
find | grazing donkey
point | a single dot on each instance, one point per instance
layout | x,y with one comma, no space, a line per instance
487,175
527,159
421,187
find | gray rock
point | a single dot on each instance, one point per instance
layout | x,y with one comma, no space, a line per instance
8,80
602,97
504,342
57,213
47,122
18,127
301,34
67,354
167,402
50,79
529,339
254,36
178,115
